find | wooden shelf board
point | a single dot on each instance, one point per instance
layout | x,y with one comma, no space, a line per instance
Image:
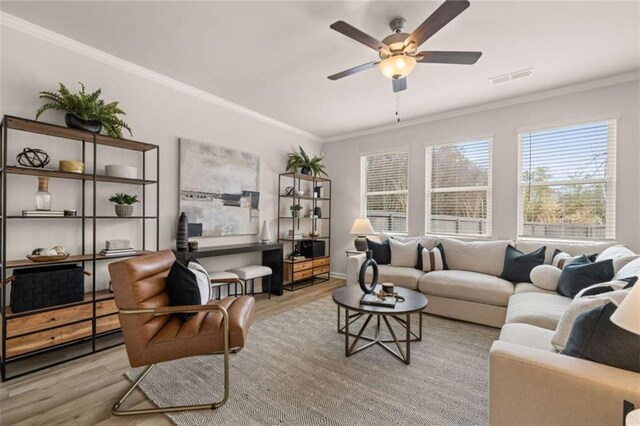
100,295
71,259
306,197
304,217
80,217
306,259
78,176
305,177
79,135
303,239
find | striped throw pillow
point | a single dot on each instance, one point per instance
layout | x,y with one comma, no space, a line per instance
561,259
431,260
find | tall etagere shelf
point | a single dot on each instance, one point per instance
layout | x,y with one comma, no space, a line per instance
39,339
301,272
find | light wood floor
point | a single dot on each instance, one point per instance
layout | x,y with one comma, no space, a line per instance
82,392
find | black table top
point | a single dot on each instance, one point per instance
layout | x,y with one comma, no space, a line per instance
349,297
229,249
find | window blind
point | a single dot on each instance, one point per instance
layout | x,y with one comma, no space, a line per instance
567,182
385,191
459,188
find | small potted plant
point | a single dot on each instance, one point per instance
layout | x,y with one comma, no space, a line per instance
124,204
300,161
85,111
295,210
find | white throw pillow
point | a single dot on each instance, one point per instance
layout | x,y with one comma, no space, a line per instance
545,277
577,307
631,269
620,256
562,259
609,286
204,282
486,257
404,254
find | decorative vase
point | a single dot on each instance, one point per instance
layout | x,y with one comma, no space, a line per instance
363,269
295,213
77,123
317,212
317,191
124,210
265,236
306,171
182,239
43,197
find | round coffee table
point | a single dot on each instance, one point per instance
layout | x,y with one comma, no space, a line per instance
348,298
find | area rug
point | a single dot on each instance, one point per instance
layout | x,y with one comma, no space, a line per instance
293,372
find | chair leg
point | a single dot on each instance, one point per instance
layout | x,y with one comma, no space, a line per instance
116,407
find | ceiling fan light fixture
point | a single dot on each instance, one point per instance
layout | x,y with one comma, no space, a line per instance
398,66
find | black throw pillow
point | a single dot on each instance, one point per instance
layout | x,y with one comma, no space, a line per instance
381,252
438,246
183,289
591,257
594,337
594,291
581,273
518,266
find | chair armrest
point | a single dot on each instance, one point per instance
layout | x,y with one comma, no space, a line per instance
353,268
534,386
222,281
168,310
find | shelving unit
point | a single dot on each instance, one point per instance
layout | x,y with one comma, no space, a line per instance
301,273
35,339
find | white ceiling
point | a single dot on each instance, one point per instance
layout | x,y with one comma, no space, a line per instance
274,57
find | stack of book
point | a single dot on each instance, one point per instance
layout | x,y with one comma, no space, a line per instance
43,213
118,252
294,235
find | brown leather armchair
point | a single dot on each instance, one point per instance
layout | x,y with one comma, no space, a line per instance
152,334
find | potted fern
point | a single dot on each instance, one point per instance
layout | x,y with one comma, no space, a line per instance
85,111
124,204
295,210
306,165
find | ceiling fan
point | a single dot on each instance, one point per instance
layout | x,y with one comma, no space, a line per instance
399,51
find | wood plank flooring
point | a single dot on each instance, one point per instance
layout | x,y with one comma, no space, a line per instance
82,392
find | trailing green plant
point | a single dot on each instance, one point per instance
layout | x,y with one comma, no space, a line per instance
86,106
120,198
300,160
295,208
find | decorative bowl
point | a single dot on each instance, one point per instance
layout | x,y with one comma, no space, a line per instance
37,258
71,166
116,170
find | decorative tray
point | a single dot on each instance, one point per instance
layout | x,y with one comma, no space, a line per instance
38,258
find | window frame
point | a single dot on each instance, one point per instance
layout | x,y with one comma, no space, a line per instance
610,181
363,185
429,190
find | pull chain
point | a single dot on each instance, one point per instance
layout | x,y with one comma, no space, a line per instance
398,107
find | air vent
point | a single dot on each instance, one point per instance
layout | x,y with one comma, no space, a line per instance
511,76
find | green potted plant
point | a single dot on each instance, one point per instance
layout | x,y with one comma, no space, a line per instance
306,165
124,204
85,111
295,210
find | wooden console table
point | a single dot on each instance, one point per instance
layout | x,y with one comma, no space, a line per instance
272,255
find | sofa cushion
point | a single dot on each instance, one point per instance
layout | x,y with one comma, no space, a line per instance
466,285
527,335
518,265
539,309
426,241
531,288
486,257
404,253
574,249
398,275
631,269
619,255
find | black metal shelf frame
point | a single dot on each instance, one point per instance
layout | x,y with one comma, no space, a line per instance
87,180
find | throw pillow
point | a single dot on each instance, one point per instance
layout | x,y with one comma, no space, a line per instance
619,254
631,269
596,338
381,252
431,260
545,277
578,306
560,258
204,282
404,254
613,285
182,286
518,266
581,274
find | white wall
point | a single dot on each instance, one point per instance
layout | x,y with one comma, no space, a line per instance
502,123
157,114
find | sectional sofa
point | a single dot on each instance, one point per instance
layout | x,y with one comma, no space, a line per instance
530,382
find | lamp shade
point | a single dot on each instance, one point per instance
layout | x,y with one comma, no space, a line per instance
362,226
627,315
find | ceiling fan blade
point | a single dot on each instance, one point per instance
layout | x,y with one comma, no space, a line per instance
440,57
353,70
399,85
354,33
438,19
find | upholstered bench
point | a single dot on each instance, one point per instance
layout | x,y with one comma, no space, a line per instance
220,278
250,273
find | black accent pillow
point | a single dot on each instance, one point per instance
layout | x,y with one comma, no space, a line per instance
581,273
631,281
594,337
438,246
182,286
518,266
591,257
381,252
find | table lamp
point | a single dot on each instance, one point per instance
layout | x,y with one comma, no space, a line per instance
361,228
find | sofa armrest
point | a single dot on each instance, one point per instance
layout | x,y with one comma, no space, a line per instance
353,268
531,386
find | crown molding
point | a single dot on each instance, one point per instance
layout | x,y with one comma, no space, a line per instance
574,88
52,37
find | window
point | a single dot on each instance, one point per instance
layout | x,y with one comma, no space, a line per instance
458,199
567,182
385,190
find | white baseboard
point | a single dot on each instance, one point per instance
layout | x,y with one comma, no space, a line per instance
339,275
